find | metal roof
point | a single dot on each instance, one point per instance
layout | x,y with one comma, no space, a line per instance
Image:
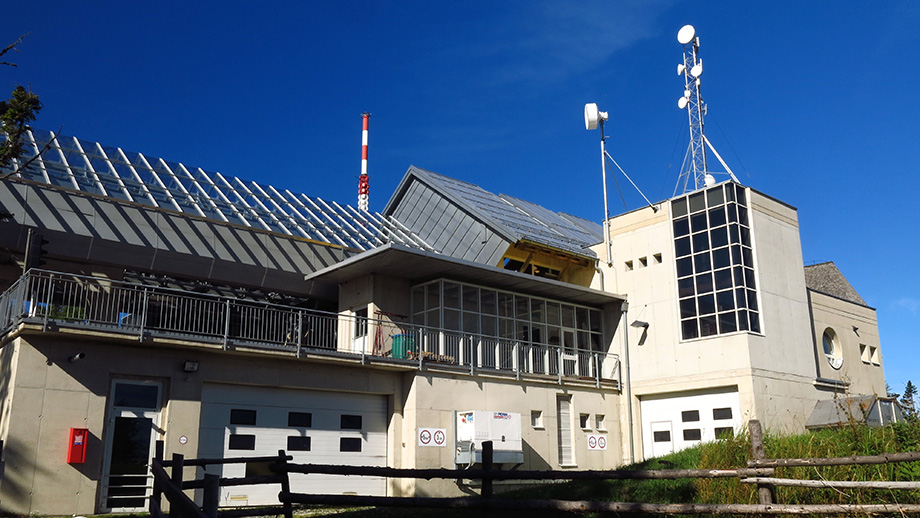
515,218
90,167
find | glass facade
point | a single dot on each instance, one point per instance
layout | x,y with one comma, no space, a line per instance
716,288
482,311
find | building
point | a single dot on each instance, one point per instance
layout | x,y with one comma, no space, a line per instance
146,300
725,323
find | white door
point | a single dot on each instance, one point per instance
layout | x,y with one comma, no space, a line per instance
130,436
662,441
315,427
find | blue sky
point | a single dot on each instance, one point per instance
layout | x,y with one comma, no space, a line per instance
813,103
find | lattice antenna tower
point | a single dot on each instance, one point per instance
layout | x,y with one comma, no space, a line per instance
695,172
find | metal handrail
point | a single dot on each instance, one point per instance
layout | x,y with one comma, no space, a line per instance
45,297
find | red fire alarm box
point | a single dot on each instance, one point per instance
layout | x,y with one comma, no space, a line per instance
76,448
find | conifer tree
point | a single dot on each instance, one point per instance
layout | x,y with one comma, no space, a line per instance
908,401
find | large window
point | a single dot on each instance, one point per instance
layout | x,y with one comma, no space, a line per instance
715,262
482,311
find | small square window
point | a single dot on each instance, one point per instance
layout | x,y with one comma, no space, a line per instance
689,416
725,433
583,421
300,419
643,262
629,265
864,353
874,355
536,418
241,442
599,422
350,444
244,417
693,434
662,436
350,422
657,258
721,413
298,443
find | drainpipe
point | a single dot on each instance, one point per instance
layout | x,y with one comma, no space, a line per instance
624,307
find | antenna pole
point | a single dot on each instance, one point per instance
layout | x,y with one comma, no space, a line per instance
363,183
606,210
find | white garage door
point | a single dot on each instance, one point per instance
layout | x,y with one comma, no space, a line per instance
314,427
672,422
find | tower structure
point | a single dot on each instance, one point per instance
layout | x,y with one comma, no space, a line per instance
693,173
363,183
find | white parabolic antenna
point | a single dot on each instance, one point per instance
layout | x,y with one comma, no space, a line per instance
686,34
593,116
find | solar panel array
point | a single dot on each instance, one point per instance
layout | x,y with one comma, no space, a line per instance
523,219
72,163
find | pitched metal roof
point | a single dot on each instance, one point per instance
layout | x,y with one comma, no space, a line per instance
90,167
514,218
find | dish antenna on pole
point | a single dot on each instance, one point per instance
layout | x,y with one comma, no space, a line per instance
695,173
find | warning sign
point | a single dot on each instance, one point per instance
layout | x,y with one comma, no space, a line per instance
597,442
436,437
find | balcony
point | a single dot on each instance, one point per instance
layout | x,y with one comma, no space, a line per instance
57,300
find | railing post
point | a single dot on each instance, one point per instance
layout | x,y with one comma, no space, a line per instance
178,464
597,370
516,361
226,323
144,300
561,363
48,303
211,495
299,332
285,485
764,491
487,456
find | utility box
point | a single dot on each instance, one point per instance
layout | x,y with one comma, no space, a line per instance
477,426
76,447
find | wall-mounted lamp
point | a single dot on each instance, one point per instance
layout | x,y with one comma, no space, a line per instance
639,323
77,357
190,366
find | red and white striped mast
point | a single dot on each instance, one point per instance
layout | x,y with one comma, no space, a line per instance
363,184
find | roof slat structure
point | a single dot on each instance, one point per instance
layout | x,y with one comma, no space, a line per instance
93,168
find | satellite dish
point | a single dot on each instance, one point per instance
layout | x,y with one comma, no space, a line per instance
686,34
593,116
680,69
682,103
697,69
709,180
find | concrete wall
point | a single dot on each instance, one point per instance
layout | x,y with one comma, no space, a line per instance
427,406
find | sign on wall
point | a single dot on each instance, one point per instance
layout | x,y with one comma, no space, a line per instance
597,442
436,437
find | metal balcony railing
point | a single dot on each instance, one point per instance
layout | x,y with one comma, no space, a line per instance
56,299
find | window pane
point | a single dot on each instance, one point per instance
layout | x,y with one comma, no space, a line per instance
707,304
244,417
487,302
717,216
714,196
662,436
689,329
350,422
685,287
348,444
693,434
136,395
718,237
679,207
721,258
725,300
723,279
698,222
727,322
681,227
721,413
297,443
684,267
682,246
704,283
708,325
470,298
241,442
688,308
451,295
300,419
689,416
701,263
701,242
697,202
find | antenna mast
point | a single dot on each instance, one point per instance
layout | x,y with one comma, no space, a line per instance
363,184
695,167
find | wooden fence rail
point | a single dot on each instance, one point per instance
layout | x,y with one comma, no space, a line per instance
760,471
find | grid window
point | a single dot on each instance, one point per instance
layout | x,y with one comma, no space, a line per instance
715,262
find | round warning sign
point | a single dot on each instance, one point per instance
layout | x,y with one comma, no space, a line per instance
432,437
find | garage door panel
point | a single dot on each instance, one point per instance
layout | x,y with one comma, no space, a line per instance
266,415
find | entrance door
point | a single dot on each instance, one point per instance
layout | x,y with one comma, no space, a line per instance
134,416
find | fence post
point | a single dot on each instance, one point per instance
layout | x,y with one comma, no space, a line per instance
211,496
178,464
764,491
487,456
285,485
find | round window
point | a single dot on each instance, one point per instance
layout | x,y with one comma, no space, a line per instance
832,349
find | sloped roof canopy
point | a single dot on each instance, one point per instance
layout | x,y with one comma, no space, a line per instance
515,220
100,170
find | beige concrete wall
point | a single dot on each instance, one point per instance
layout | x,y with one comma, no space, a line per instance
434,399
854,325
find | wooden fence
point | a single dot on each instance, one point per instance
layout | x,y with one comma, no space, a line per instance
759,471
